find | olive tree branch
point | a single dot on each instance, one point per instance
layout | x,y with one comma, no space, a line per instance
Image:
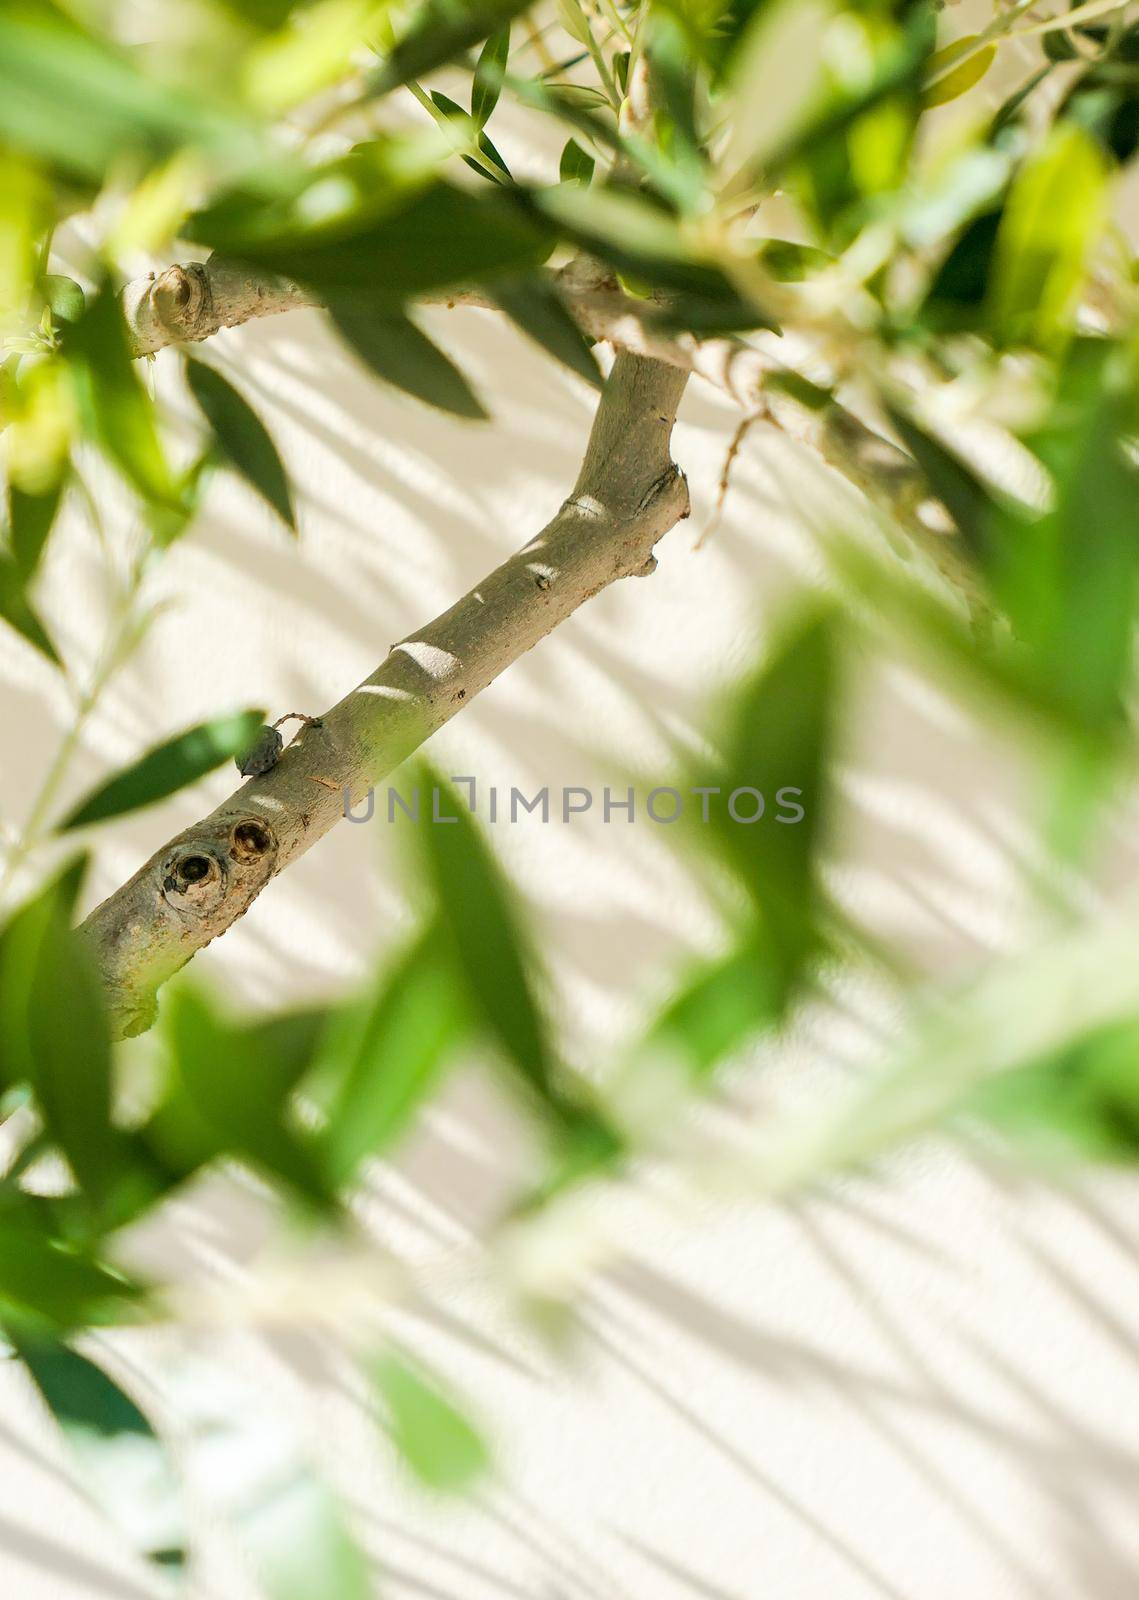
187,304
628,494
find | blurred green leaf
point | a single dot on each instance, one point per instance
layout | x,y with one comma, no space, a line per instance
485,933
439,31
441,236
21,940
719,1006
575,165
488,75
1067,581
637,238
1054,213
30,520
47,1285
180,1137
950,84
538,310
221,1096
167,768
1081,1102
117,412
16,611
388,1053
55,1032
401,354
298,1542
63,297
961,284
242,438
778,740
123,1464
778,79
70,1047
79,103
436,1441
954,483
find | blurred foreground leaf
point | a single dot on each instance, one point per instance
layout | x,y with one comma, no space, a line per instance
388,1053
436,1441
224,1098
16,610
485,933
123,1464
439,31
1054,213
777,743
50,1286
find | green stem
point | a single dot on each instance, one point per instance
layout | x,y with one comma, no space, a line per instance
120,641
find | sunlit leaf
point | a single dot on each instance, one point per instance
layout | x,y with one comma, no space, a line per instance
959,79
242,438
1067,581
575,165
635,236
487,938
122,1463
79,103
116,409
16,610
220,1095
47,1286
488,75
1054,213
388,1053
401,354
778,76
717,1008
539,311
30,519
63,296
436,1441
167,768
442,236
70,1049
777,745
439,31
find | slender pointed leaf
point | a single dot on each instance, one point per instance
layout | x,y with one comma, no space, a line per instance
388,1054
539,312
30,519
122,1462
222,1095
439,31
242,438
167,768
16,611
401,354
436,1441
116,410
575,165
488,75
487,939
